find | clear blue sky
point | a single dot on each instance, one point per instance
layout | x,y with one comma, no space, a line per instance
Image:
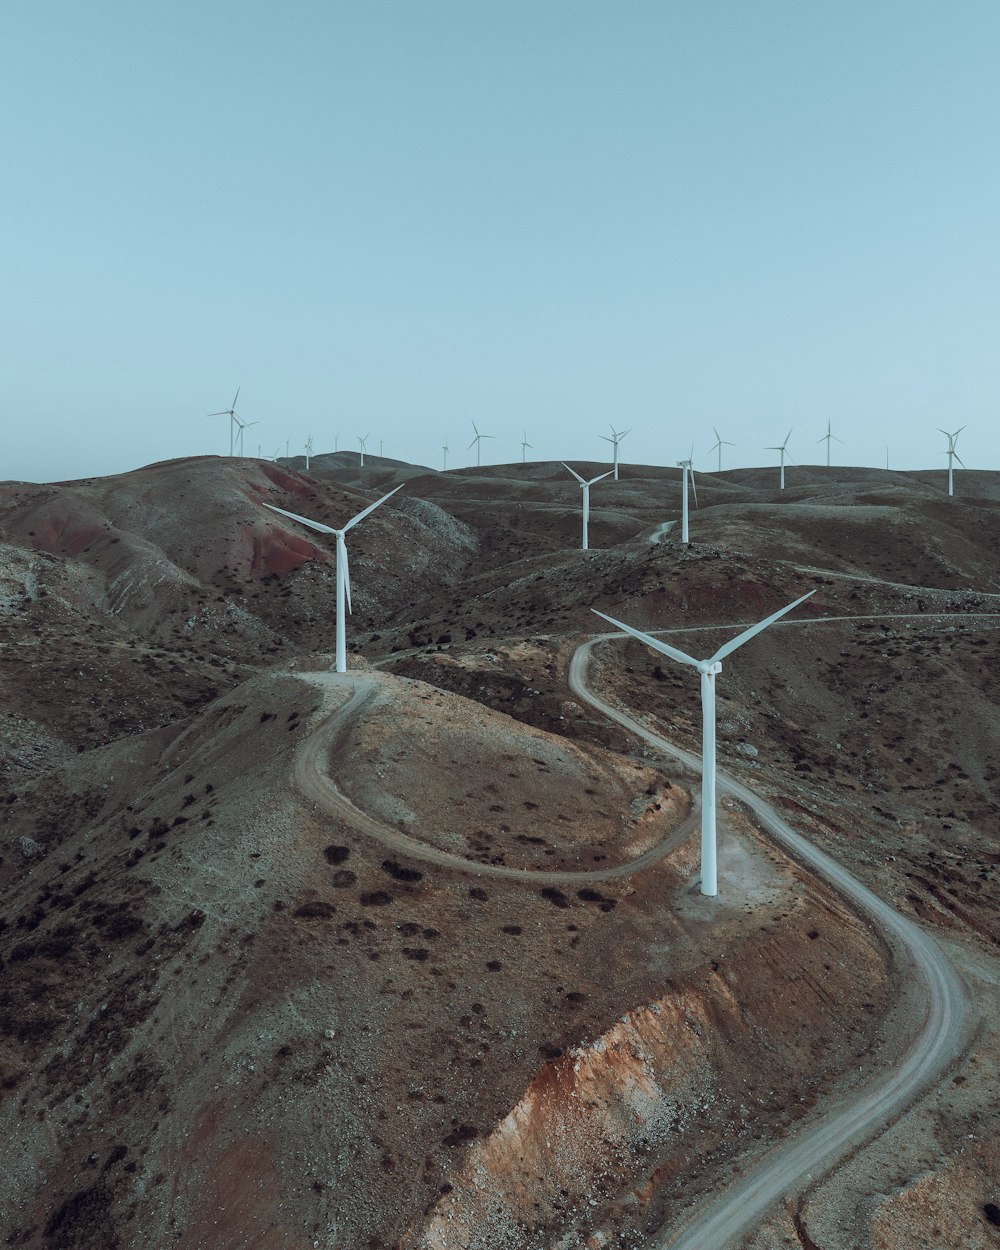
395,217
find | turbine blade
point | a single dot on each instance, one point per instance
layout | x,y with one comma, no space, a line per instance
236,397
313,525
729,647
371,508
342,547
650,641
601,478
694,488
959,459
605,437
573,471
474,442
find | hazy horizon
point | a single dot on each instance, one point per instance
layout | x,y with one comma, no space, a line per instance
396,219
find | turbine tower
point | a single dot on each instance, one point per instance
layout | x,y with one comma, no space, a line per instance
585,487
476,441
444,450
336,442
784,452
827,438
309,450
230,412
952,454
614,440
718,445
362,441
343,569
687,466
525,445
709,669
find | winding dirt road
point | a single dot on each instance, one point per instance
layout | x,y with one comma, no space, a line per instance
816,1145
314,782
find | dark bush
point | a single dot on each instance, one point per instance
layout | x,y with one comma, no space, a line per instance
336,854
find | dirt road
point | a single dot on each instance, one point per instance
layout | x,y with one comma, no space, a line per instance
818,1143
313,781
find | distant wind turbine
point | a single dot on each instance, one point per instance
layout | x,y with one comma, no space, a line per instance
827,438
230,412
244,425
336,442
784,452
525,445
277,453
585,487
362,441
688,467
718,445
614,440
952,455
708,669
343,569
476,441
444,450
309,450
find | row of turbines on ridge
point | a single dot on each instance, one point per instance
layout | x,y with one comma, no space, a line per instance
237,426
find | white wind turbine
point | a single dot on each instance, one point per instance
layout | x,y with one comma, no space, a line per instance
230,412
444,455
525,445
614,440
476,441
343,569
708,669
827,438
952,454
362,441
309,450
784,452
688,467
585,487
244,425
718,445
336,442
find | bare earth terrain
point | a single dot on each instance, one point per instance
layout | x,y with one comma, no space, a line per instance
414,957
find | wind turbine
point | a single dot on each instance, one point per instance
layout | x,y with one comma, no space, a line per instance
708,669
952,454
688,467
362,441
336,442
444,449
277,453
309,450
784,451
476,441
585,487
718,445
827,438
615,439
525,445
343,569
244,425
230,412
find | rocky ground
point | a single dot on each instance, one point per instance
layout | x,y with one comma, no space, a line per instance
288,962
